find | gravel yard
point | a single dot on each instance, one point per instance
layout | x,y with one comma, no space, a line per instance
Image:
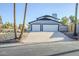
8,37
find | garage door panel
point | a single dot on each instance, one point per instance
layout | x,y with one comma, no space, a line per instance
35,28
50,28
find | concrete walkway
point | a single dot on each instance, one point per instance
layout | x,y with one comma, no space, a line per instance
37,37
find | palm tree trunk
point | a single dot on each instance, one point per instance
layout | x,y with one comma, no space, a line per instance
76,11
23,22
15,21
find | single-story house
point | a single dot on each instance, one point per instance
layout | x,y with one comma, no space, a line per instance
45,23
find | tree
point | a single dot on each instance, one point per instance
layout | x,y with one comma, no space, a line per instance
7,25
78,21
23,22
1,20
1,23
76,11
15,21
72,18
64,20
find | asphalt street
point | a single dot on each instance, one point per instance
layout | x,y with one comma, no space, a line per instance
69,48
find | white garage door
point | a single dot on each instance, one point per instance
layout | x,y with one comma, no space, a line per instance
35,28
50,28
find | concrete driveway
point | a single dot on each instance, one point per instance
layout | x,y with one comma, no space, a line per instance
37,37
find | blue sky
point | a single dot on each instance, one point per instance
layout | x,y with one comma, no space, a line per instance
35,10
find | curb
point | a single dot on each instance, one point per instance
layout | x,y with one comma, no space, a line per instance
11,45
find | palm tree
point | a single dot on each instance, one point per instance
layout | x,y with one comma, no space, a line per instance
15,21
76,11
23,22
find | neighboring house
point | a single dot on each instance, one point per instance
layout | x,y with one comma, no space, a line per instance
45,23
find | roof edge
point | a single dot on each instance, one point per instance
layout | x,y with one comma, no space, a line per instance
38,20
